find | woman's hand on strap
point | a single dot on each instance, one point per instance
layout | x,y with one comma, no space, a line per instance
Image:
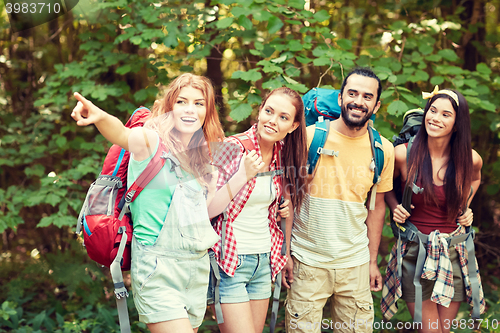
466,218
251,164
284,211
400,214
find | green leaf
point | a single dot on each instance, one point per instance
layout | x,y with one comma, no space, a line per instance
297,4
483,68
488,106
36,170
397,108
295,45
61,141
279,60
274,24
251,76
425,49
386,93
224,23
437,80
245,22
136,40
411,98
123,69
292,71
303,60
345,44
37,321
241,112
321,16
272,84
448,54
52,199
141,95
322,61
433,58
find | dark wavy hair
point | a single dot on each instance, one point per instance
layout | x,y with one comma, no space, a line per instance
294,153
458,176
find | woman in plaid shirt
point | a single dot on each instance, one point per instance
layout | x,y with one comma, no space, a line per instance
447,169
249,189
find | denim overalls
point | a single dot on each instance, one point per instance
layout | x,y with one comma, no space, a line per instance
170,278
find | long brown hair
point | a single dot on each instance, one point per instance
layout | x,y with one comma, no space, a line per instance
211,131
458,176
293,155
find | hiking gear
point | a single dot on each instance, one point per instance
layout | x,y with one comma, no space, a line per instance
408,232
277,284
321,106
107,229
412,120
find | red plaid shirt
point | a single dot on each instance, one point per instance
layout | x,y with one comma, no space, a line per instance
228,159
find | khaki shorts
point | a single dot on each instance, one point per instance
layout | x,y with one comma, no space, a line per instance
409,262
349,292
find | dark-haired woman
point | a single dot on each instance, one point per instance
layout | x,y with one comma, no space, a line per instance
449,171
251,254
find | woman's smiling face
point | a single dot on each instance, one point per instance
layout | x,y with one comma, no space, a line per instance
189,112
440,118
276,118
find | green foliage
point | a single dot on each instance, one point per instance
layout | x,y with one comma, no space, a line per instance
120,53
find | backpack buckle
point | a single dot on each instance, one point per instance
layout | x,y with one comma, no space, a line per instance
129,196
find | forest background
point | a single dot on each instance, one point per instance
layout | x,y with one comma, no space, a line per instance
119,53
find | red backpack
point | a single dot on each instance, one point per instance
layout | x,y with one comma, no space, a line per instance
107,226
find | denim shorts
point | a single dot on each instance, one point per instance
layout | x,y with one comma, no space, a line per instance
251,281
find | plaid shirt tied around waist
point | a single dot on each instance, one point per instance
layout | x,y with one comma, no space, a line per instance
228,159
437,267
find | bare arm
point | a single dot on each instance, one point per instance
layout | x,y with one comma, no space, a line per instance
250,165
467,217
400,170
477,162
375,224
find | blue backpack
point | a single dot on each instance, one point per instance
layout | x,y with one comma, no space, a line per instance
321,106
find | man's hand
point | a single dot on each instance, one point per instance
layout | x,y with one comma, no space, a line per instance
287,273
375,278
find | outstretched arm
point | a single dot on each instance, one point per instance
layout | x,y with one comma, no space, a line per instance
138,141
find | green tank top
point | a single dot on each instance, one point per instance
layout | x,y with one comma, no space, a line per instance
150,208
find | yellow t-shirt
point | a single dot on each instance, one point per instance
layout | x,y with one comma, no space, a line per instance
330,231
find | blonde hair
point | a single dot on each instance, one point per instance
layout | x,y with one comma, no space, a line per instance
201,144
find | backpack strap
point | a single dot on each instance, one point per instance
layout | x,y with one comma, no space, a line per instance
318,142
154,166
121,293
377,163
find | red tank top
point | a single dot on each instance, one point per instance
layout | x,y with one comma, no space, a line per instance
428,218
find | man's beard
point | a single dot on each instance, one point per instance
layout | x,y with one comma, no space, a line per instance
359,122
